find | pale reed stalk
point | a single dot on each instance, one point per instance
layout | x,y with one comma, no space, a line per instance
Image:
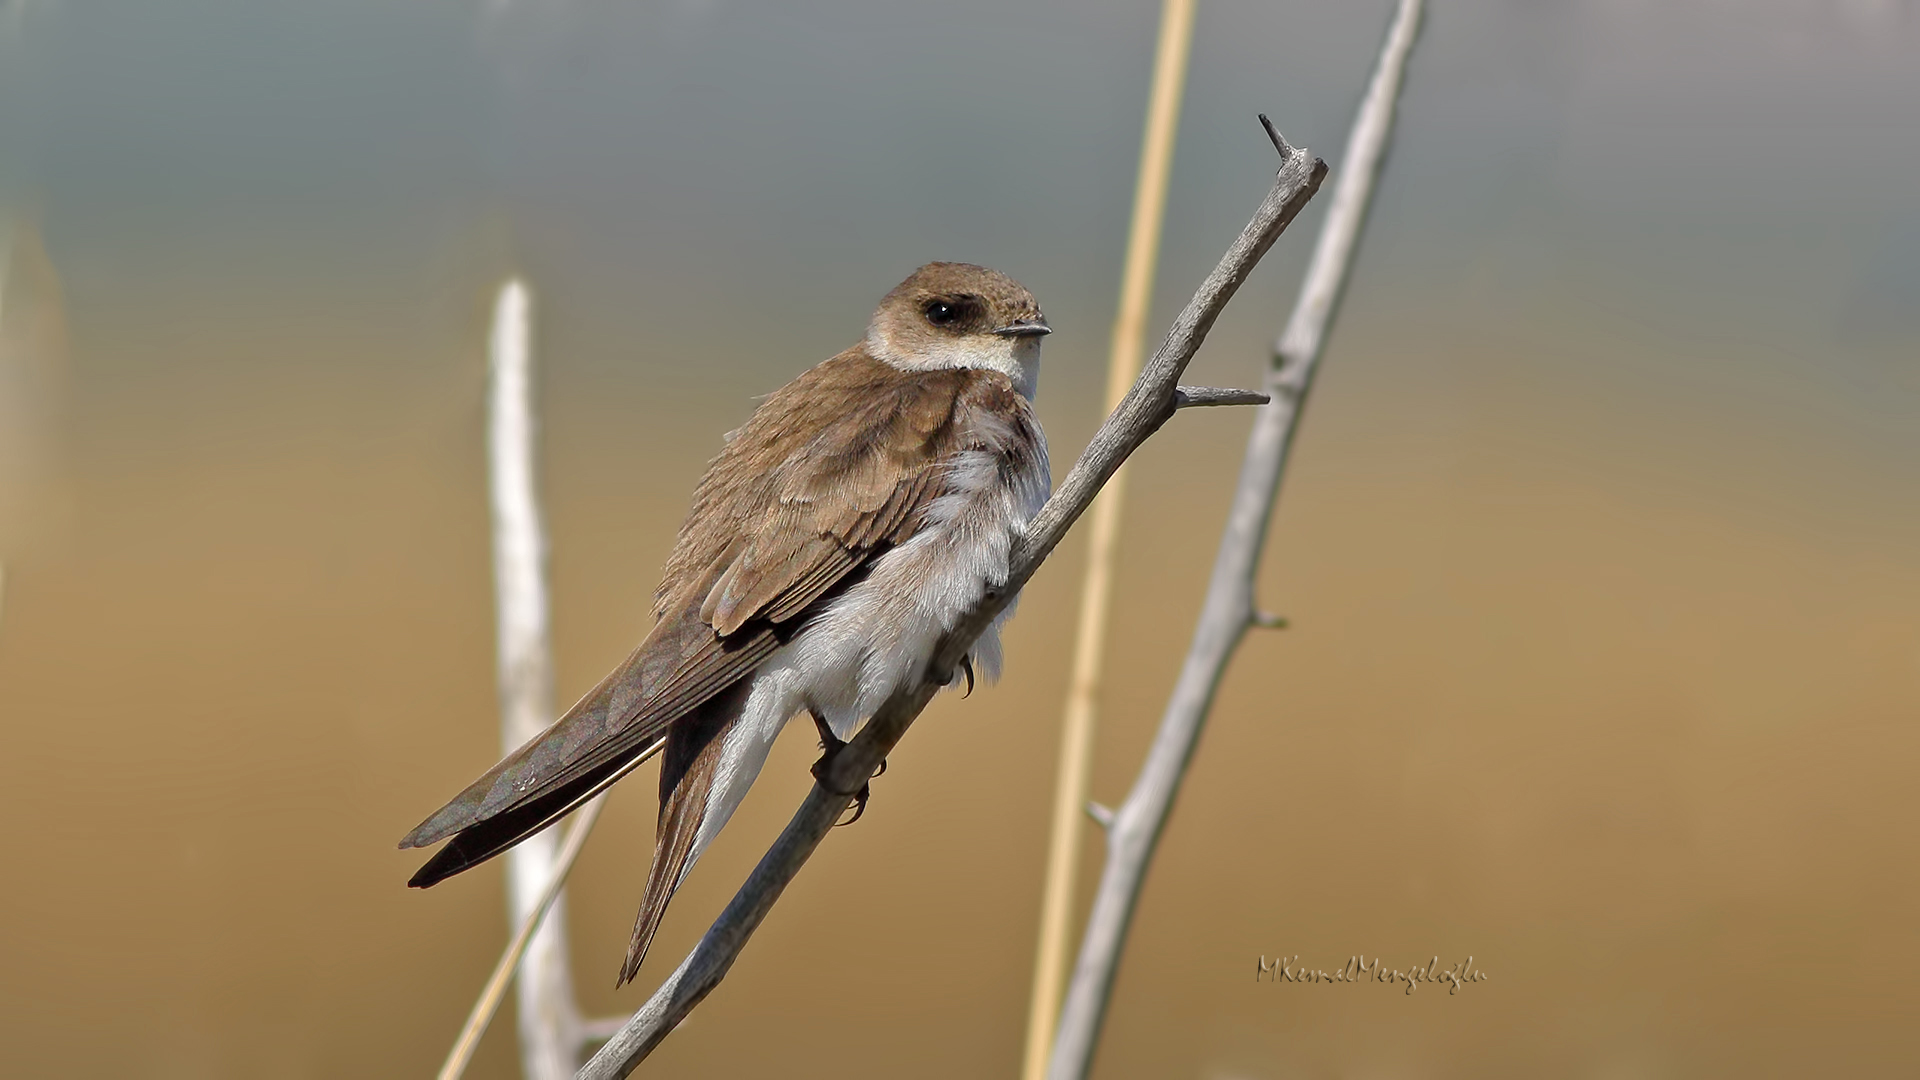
1083,685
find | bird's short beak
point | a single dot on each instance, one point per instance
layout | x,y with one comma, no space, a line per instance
1035,327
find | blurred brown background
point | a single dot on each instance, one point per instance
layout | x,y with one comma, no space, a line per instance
1600,544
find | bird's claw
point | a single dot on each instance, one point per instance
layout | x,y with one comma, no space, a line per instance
830,747
859,805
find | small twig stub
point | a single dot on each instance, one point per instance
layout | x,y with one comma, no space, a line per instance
1188,397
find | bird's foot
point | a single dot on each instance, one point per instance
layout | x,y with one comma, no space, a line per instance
830,747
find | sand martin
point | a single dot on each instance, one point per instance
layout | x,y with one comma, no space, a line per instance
860,512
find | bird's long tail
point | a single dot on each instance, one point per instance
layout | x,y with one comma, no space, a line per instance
482,841
688,769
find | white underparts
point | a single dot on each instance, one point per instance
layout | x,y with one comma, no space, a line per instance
880,633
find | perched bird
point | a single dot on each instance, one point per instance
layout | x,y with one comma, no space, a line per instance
860,512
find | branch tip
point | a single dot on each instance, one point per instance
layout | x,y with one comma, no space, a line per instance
1267,620
1279,141
1100,813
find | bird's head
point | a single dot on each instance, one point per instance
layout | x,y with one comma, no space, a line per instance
956,315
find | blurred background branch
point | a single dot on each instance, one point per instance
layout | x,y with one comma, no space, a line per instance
496,987
33,395
491,994
1133,829
550,1040
552,1032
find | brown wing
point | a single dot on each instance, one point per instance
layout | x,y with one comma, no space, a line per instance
790,509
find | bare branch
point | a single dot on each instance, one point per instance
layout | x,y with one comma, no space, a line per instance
1139,414
1229,608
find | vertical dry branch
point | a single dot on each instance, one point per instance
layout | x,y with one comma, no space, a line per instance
1103,534
549,1019
1151,401
1134,829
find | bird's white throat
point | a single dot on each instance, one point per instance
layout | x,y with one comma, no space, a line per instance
1016,357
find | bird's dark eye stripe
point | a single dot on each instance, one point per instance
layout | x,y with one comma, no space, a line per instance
952,310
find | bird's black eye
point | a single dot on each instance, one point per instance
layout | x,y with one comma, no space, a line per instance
940,313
